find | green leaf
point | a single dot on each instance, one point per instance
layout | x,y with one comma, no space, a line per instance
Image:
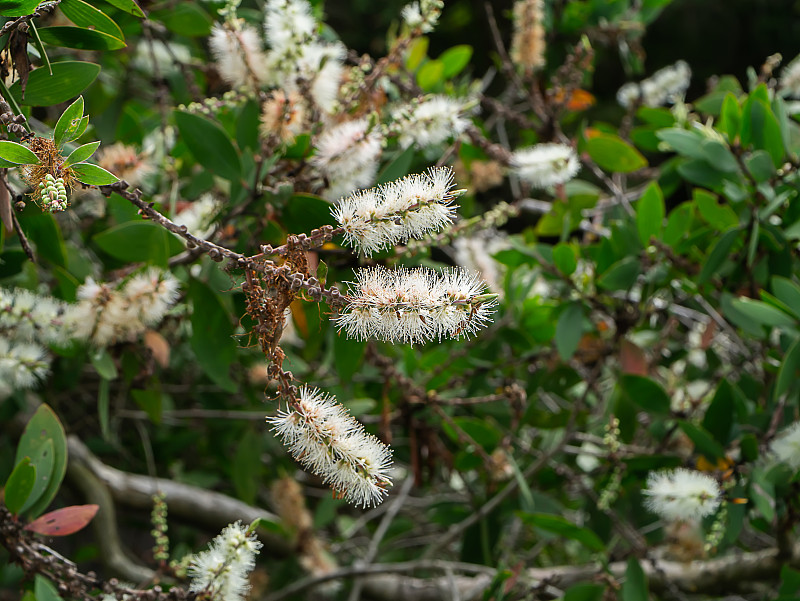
718,254
79,38
103,363
44,590
305,212
634,588
565,258
19,485
37,42
731,117
81,153
17,153
787,374
43,426
397,167
569,330
563,527
210,145
18,8
718,419
347,356
620,275
455,59
702,173
85,15
185,18
136,241
430,75
703,442
481,431
103,406
68,123
788,292
644,392
760,128
612,153
760,166
43,460
247,467
416,53
93,175
720,216
151,402
719,155
678,223
212,335
584,592
129,6
762,313
684,142
650,213
69,79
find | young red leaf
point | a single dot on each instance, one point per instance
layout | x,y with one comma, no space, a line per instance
62,522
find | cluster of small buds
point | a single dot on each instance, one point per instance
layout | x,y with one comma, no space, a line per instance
53,194
664,86
158,517
222,571
326,439
611,437
528,41
717,531
415,305
422,15
107,315
611,490
546,165
430,122
682,494
411,207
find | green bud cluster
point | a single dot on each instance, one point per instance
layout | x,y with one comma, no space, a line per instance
159,531
53,194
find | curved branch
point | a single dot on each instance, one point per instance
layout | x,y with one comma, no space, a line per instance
209,508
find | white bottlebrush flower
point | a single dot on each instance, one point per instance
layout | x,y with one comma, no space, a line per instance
415,305
682,494
546,165
407,208
663,87
347,155
237,50
786,447
199,216
790,79
28,317
327,440
288,24
222,571
430,122
528,42
106,315
422,15
22,364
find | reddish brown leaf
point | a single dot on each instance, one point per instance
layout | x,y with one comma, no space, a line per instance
5,208
632,359
159,346
62,522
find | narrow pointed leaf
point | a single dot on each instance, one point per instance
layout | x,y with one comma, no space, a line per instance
68,122
81,153
85,15
93,175
17,153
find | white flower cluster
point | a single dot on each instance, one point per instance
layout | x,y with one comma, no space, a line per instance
664,86
347,156
222,571
790,79
198,216
422,15
28,322
410,207
786,447
106,315
682,494
546,165
430,122
415,305
298,57
327,440
238,51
